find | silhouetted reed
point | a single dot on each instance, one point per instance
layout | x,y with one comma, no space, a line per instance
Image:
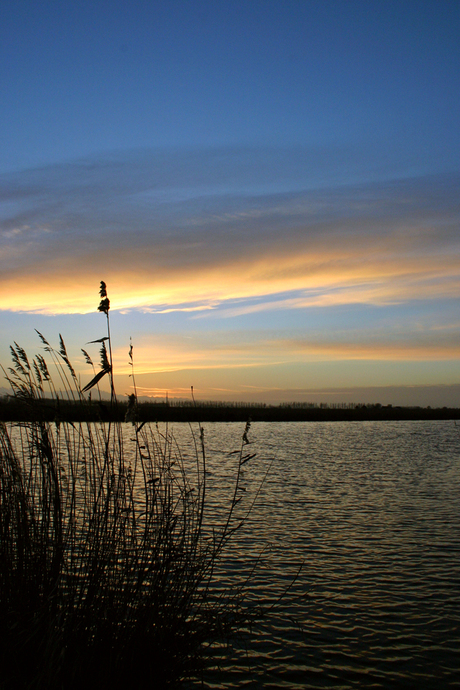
107,558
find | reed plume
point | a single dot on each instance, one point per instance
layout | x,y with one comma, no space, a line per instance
107,553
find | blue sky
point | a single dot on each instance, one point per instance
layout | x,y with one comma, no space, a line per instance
269,189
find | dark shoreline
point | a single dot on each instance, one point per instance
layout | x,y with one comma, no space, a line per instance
13,410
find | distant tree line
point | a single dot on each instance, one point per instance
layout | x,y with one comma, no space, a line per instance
14,409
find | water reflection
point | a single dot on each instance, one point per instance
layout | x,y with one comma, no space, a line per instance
373,510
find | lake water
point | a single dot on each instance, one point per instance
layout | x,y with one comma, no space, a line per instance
372,509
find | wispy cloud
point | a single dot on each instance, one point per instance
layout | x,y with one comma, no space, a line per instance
195,232
248,349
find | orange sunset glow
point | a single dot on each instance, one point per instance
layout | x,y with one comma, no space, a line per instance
324,253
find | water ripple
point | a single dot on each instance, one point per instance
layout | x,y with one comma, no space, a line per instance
373,511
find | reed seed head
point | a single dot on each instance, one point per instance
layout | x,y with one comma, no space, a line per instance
104,304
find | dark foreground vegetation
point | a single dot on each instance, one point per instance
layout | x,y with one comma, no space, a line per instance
14,409
108,553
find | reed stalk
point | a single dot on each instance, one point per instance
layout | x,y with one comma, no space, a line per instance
107,556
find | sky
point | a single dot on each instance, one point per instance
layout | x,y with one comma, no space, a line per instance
269,189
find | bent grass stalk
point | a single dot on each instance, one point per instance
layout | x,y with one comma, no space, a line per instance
105,568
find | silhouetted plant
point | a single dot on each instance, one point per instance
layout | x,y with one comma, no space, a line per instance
106,558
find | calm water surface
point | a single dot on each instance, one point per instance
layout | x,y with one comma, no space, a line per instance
372,509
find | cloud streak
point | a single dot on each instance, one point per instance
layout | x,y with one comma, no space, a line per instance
233,272
168,233
250,348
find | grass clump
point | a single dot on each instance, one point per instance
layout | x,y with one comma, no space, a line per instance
107,559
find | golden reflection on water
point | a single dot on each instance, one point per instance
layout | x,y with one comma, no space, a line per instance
372,509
